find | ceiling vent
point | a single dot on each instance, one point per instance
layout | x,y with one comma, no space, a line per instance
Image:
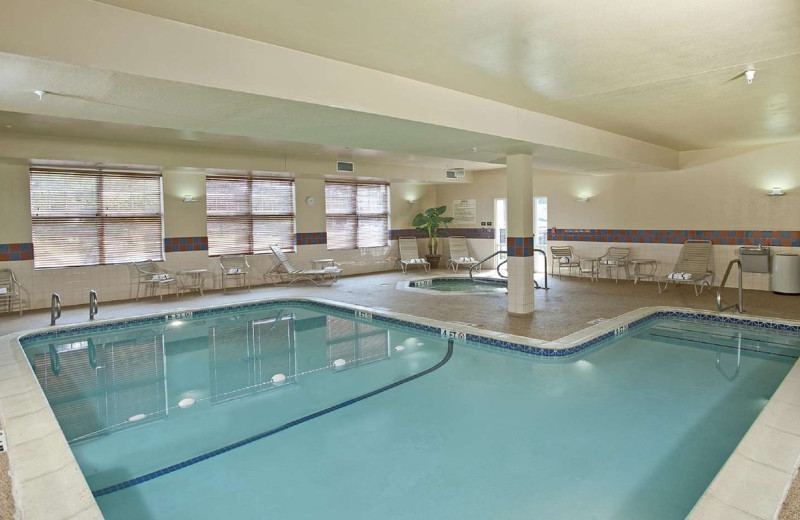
345,167
456,173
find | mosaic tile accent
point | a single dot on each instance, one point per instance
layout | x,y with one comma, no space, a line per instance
486,233
678,236
181,244
16,252
312,239
519,246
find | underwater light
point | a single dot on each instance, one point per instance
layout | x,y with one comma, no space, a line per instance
278,378
399,348
339,363
186,403
137,417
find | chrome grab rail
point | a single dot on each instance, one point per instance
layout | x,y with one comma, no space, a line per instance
93,308
55,308
738,304
535,283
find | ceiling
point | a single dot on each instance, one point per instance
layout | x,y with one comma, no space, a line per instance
666,73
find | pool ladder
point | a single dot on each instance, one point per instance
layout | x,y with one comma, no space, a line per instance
738,304
55,308
93,308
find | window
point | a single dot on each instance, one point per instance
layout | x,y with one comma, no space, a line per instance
89,215
248,214
356,214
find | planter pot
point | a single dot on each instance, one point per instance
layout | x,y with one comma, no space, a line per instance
434,260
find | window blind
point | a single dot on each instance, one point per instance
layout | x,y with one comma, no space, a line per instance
95,216
356,214
246,215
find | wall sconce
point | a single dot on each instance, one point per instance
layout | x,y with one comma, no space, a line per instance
582,198
413,202
189,198
776,192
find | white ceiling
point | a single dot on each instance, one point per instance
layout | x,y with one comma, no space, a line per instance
667,73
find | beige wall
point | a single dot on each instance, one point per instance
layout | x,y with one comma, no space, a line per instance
184,219
15,203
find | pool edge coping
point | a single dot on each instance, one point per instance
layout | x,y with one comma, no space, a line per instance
75,499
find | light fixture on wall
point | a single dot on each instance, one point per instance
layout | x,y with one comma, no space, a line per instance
40,93
582,198
413,202
776,192
189,198
749,75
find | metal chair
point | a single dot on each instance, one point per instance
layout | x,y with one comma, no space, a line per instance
152,276
10,290
563,257
236,268
616,258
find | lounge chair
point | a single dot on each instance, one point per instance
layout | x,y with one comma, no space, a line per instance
564,257
616,258
10,290
234,267
459,254
284,273
409,254
152,276
691,267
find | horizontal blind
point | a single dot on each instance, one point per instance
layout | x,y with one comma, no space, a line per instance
356,214
246,215
95,216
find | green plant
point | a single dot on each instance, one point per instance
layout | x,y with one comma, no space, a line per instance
430,221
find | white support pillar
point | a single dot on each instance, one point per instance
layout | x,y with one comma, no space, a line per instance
519,244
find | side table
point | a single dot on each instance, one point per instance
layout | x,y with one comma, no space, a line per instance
651,267
191,280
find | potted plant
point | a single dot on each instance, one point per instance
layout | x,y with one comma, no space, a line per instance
430,221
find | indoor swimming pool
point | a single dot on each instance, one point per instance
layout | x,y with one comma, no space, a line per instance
294,408
452,285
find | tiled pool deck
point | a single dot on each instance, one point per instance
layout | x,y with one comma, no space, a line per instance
47,482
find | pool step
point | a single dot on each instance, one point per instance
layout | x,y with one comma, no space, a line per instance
717,338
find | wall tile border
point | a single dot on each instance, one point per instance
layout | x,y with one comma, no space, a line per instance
182,244
678,236
16,252
484,232
310,239
519,246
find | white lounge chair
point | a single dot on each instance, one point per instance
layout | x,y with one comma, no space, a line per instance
459,253
10,290
284,273
151,276
409,254
563,257
691,267
236,268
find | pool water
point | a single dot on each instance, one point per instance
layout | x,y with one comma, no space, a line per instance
461,285
635,428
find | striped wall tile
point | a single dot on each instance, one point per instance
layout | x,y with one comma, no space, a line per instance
679,236
16,252
181,244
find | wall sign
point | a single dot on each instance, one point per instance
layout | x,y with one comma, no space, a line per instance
464,211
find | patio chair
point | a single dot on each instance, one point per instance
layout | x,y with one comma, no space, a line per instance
409,254
236,268
616,258
563,257
459,254
149,275
691,267
10,290
285,273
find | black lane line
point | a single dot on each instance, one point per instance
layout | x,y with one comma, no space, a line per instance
194,460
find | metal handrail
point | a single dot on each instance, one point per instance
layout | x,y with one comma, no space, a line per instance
738,304
93,308
55,308
536,284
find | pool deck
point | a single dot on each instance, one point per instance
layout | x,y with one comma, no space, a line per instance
752,484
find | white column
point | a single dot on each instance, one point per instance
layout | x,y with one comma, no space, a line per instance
519,244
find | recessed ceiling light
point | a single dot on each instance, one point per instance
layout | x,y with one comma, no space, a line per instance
40,93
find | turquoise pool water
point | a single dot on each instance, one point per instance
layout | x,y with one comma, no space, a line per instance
460,285
634,428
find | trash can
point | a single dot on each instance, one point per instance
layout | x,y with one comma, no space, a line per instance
785,274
